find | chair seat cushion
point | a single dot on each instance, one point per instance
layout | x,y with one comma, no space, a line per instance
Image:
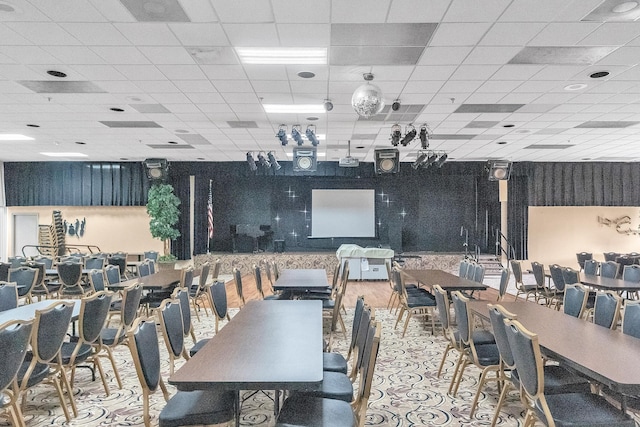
422,300
334,362
67,350
198,346
301,410
488,354
39,373
584,409
109,338
479,337
188,408
335,385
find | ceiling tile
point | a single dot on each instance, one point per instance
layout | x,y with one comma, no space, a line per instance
561,55
199,34
95,34
243,11
417,10
485,11
459,34
252,35
356,11
511,34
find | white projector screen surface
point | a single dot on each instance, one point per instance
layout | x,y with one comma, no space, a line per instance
343,213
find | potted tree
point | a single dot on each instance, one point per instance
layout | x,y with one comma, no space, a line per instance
162,207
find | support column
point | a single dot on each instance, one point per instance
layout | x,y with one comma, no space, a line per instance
504,218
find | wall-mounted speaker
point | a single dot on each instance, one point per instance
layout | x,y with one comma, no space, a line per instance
387,160
304,159
157,169
499,170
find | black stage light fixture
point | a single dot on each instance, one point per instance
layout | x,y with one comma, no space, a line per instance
443,158
424,136
409,134
252,163
430,160
282,135
396,105
296,135
157,169
263,160
419,160
396,134
499,170
311,135
274,162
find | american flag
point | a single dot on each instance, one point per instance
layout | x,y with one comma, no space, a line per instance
210,213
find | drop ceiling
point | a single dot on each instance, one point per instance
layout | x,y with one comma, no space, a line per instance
478,73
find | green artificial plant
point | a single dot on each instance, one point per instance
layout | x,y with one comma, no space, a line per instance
162,207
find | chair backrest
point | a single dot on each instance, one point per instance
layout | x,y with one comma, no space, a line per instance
50,330
112,273
570,276
631,318
631,273
16,261
152,266
478,275
94,310
528,359
504,282
218,294
267,272
516,268
336,275
94,262
591,267
96,278
145,351
14,341
152,255
538,273
257,275
131,296
69,273
370,355
442,304
610,256
120,260
186,280
582,257
606,311
575,300
182,295
215,272
4,271
471,271
609,269
357,318
170,319
237,278
144,269
276,270
8,295
498,314
557,276
25,278
204,275
462,270
46,260
462,316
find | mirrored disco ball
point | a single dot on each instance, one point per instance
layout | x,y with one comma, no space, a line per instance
367,100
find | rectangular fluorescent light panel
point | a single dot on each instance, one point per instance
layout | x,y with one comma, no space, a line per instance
282,55
14,137
64,154
293,109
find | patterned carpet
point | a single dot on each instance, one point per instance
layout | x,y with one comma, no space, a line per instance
405,392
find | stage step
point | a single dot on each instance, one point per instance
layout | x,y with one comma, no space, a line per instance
492,265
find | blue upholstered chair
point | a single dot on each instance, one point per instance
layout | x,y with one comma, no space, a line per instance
606,311
575,300
591,267
504,283
631,318
170,319
97,280
582,257
14,342
609,269
336,362
25,279
8,295
522,289
218,298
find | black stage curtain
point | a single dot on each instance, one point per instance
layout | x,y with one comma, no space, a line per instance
75,184
181,247
518,208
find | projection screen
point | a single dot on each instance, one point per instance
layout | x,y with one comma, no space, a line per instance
343,213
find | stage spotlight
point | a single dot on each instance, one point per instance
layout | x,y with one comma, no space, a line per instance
311,135
431,160
441,160
396,133
263,160
282,135
409,134
424,136
274,162
419,161
251,162
396,105
296,135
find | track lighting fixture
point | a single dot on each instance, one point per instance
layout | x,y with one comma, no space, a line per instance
311,135
282,135
430,160
274,162
396,134
419,160
441,160
424,136
252,163
425,159
296,134
263,160
409,134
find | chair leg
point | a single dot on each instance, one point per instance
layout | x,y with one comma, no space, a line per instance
444,358
113,366
65,381
193,336
406,322
482,382
195,308
63,403
503,397
459,363
97,364
399,317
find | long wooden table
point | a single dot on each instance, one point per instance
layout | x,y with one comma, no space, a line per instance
302,280
28,311
616,285
161,280
606,356
448,282
268,345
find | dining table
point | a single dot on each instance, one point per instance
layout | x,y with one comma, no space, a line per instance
28,311
608,284
447,281
608,357
162,280
267,345
292,282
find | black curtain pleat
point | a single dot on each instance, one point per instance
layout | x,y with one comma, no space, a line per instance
518,218
181,247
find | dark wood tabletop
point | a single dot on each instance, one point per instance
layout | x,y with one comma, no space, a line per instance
161,280
446,280
608,357
303,279
28,311
616,285
268,345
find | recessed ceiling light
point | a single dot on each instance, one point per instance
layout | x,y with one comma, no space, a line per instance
123,158
624,7
508,126
293,109
283,55
306,75
32,125
312,118
64,154
14,137
55,73
501,142
81,143
523,131
172,142
575,86
117,110
134,98
586,158
599,74
360,147
200,158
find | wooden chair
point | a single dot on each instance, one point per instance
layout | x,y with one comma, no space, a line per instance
217,293
25,279
8,295
420,303
521,288
575,300
197,291
170,319
237,279
606,311
14,342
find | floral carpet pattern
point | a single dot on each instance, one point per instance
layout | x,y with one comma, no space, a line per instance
406,391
